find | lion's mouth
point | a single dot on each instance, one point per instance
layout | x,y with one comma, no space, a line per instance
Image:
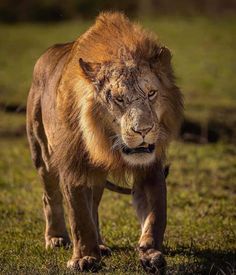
139,150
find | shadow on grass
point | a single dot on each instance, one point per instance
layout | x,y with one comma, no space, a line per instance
200,261
205,261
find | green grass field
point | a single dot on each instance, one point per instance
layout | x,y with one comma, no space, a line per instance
201,235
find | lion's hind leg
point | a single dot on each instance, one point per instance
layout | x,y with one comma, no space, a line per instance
55,233
97,196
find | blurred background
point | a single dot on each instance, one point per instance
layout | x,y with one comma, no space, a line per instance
57,10
201,34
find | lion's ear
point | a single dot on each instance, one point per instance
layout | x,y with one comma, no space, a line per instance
162,56
165,56
91,70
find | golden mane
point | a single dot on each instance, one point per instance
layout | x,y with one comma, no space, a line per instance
113,33
110,39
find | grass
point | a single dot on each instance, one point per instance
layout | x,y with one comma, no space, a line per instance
200,236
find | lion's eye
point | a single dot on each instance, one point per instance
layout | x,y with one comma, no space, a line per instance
152,94
120,99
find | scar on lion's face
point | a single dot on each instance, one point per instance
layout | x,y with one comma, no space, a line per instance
130,95
123,89
136,96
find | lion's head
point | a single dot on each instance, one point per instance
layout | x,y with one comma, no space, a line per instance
132,97
131,107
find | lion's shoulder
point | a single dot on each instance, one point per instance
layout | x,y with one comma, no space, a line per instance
51,60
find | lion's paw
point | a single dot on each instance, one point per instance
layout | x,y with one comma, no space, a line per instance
86,263
153,261
105,251
54,242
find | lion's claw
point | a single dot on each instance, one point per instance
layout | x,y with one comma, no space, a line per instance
153,261
105,251
86,263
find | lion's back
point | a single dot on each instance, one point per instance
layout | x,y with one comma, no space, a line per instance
42,96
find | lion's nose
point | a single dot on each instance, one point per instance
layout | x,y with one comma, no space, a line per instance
142,130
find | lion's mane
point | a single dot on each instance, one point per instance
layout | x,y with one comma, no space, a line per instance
85,135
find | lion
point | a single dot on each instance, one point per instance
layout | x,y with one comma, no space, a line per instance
105,105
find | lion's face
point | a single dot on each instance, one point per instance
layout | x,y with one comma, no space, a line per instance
131,98
134,101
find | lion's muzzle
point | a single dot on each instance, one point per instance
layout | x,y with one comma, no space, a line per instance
139,134
138,127
142,130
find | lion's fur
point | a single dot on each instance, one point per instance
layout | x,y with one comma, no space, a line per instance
112,35
71,133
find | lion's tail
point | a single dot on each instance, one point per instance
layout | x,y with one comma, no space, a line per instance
118,189
127,191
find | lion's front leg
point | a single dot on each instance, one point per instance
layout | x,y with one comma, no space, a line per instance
86,252
149,198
